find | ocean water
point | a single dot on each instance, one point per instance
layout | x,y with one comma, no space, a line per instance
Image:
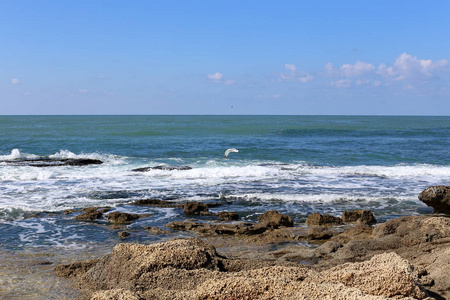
294,164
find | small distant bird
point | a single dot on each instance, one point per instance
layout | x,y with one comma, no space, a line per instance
229,151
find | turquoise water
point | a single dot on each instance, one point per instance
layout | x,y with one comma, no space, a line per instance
295,164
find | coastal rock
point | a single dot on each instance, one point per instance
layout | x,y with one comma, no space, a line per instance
317,219
89,214
121,217
228,216
213,229
123,234
51,162
132,266
437,197
116,294
158,203
164,168
321,233
194,208
274,219
385,275
75,269
359,216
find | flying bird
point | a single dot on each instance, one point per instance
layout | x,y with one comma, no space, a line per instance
229,151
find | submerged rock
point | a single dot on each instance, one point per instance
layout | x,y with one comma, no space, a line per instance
228,216
90,214
121,217
359,216
194,208
158,203
437,197
165,168
317,219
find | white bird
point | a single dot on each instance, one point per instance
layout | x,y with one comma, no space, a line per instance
229,151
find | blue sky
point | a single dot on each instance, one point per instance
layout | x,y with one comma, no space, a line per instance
225,57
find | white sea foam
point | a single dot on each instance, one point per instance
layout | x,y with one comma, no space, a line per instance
16,154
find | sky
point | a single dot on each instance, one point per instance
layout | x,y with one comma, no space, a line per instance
225,57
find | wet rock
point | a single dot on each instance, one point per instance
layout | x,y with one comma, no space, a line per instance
228,216
121,217
213,229
158,203
89,214
359,216
50,162
123,234
317,219
274,219
157,230
321,233
437,197
194,208
75,269
165,168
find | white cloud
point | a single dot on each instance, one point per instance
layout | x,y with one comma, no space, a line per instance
216,76
276,96
343,83
290,67
358,69
219,78
408,66
82,91
15,81
306,78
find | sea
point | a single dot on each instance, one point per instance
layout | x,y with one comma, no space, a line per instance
296,165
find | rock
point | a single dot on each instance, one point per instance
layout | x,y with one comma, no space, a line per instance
321,233
132,266
121,217
50,162
385,275
157,230
158,203
165,168
274,219
90,214
228,216
437,197
359,216
194,208
75,269
116,294
317,219
123,234
213,229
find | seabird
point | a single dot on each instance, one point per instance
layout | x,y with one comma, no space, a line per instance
229,151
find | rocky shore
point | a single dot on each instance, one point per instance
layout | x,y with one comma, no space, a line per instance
328,257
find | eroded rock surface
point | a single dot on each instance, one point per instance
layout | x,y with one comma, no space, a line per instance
437,197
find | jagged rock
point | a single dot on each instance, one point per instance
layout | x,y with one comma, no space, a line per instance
90,214
75,269
317,219
121,217
123,234
194,208
165,168
274,219
212,229
116,294
228,216
359,216
321,233
437,197
131,266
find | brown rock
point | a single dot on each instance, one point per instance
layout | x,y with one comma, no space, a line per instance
321,233
228,216
90,214
317,219
274,219
121,217
75,269
130,266
158,203
437,197
359,216
194,208
123,234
